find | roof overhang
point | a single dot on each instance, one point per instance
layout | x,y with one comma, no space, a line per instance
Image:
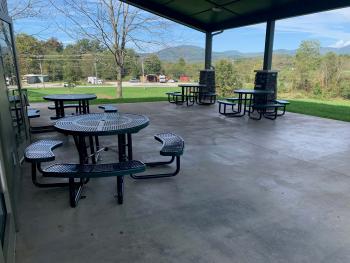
214,15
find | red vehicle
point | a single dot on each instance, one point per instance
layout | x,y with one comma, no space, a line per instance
184,78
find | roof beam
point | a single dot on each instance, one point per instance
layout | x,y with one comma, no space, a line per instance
285,11
168,13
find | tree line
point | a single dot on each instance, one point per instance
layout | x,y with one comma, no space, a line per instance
307,73
75,62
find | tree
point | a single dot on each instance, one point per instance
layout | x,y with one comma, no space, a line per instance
181,63
72,67
331,68
307,61
226,77
132,64
113,23
152,65
20,9
53,45
85,45
29,49
178,69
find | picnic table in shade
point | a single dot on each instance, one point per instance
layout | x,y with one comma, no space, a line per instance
91,126
245,99
59,99
188,88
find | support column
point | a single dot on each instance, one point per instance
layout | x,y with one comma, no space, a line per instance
208,49
270,32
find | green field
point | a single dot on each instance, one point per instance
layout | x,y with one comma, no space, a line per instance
106,94
332,109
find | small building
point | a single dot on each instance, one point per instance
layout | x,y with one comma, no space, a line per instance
35,78
151,78
184,78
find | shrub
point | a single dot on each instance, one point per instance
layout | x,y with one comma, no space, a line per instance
227,78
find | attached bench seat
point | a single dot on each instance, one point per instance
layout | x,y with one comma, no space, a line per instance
171,96
108,108
223,104
33,113
39,152
42,151
232,99
172,145
71,105
66,106
263,110
67,170
284,103
178,98
87,171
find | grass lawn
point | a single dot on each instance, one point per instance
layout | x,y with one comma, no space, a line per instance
106,94
332,109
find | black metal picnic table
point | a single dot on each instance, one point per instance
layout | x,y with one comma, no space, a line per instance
188,88
93,125
243,99
59,99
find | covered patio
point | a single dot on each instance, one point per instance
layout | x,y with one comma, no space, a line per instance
247,192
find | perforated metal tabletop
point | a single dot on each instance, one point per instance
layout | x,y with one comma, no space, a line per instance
192,85
101,124
70,97
253,91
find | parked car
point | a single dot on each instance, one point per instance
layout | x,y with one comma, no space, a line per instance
162,79
68,85
134,80
172,81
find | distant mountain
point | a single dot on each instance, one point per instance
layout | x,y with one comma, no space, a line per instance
188,52
340,51
196,54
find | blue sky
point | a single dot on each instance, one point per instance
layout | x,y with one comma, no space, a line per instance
331,28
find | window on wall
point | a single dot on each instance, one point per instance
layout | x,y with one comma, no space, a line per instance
12,83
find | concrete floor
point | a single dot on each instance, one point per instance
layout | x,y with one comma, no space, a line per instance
249,191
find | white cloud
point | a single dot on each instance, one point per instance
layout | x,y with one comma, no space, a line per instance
333,25
340,44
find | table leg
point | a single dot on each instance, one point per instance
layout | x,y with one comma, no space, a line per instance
240,111
57,110
122,158
130,154
84,107
75,188
251,99
80,107
92,150
88,106
182,96
61,109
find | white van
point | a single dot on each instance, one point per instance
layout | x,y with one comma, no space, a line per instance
162,79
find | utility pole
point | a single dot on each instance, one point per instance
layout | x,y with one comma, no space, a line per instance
41,69
95,65
143,70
